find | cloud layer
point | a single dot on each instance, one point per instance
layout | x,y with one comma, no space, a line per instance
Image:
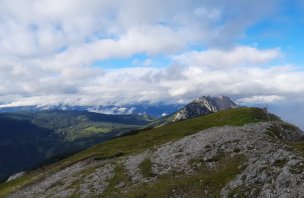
48,49
181,82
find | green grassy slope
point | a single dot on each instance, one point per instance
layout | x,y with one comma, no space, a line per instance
145,139
30,139
174,131
74,124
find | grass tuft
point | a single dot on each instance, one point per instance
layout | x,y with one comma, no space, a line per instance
146,168
117,183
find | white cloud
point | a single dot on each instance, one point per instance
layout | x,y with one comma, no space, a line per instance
47,49
32,28
213,14
238,56
177,83
112,110
260,99
137,40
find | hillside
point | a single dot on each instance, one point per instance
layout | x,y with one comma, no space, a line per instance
77,124
20,143
189,158
29,139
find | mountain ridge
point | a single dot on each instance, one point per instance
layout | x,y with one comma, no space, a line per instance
155,110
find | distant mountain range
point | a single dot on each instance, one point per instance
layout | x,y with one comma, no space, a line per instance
200,106
155,110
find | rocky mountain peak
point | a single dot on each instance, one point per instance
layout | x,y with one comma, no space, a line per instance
203,106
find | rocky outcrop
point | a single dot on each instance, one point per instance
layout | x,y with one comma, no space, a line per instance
271,169
204,105
16,176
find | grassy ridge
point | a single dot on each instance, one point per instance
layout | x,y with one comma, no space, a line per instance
171,132
145,139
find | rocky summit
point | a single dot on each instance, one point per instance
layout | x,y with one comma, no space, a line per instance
204,105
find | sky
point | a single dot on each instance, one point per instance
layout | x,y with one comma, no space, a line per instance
97,52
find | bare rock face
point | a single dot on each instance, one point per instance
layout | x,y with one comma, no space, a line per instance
203,106
16,176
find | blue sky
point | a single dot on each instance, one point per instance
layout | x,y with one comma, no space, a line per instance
283,29
280,29
91,52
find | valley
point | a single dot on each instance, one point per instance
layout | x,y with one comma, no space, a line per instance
31,139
